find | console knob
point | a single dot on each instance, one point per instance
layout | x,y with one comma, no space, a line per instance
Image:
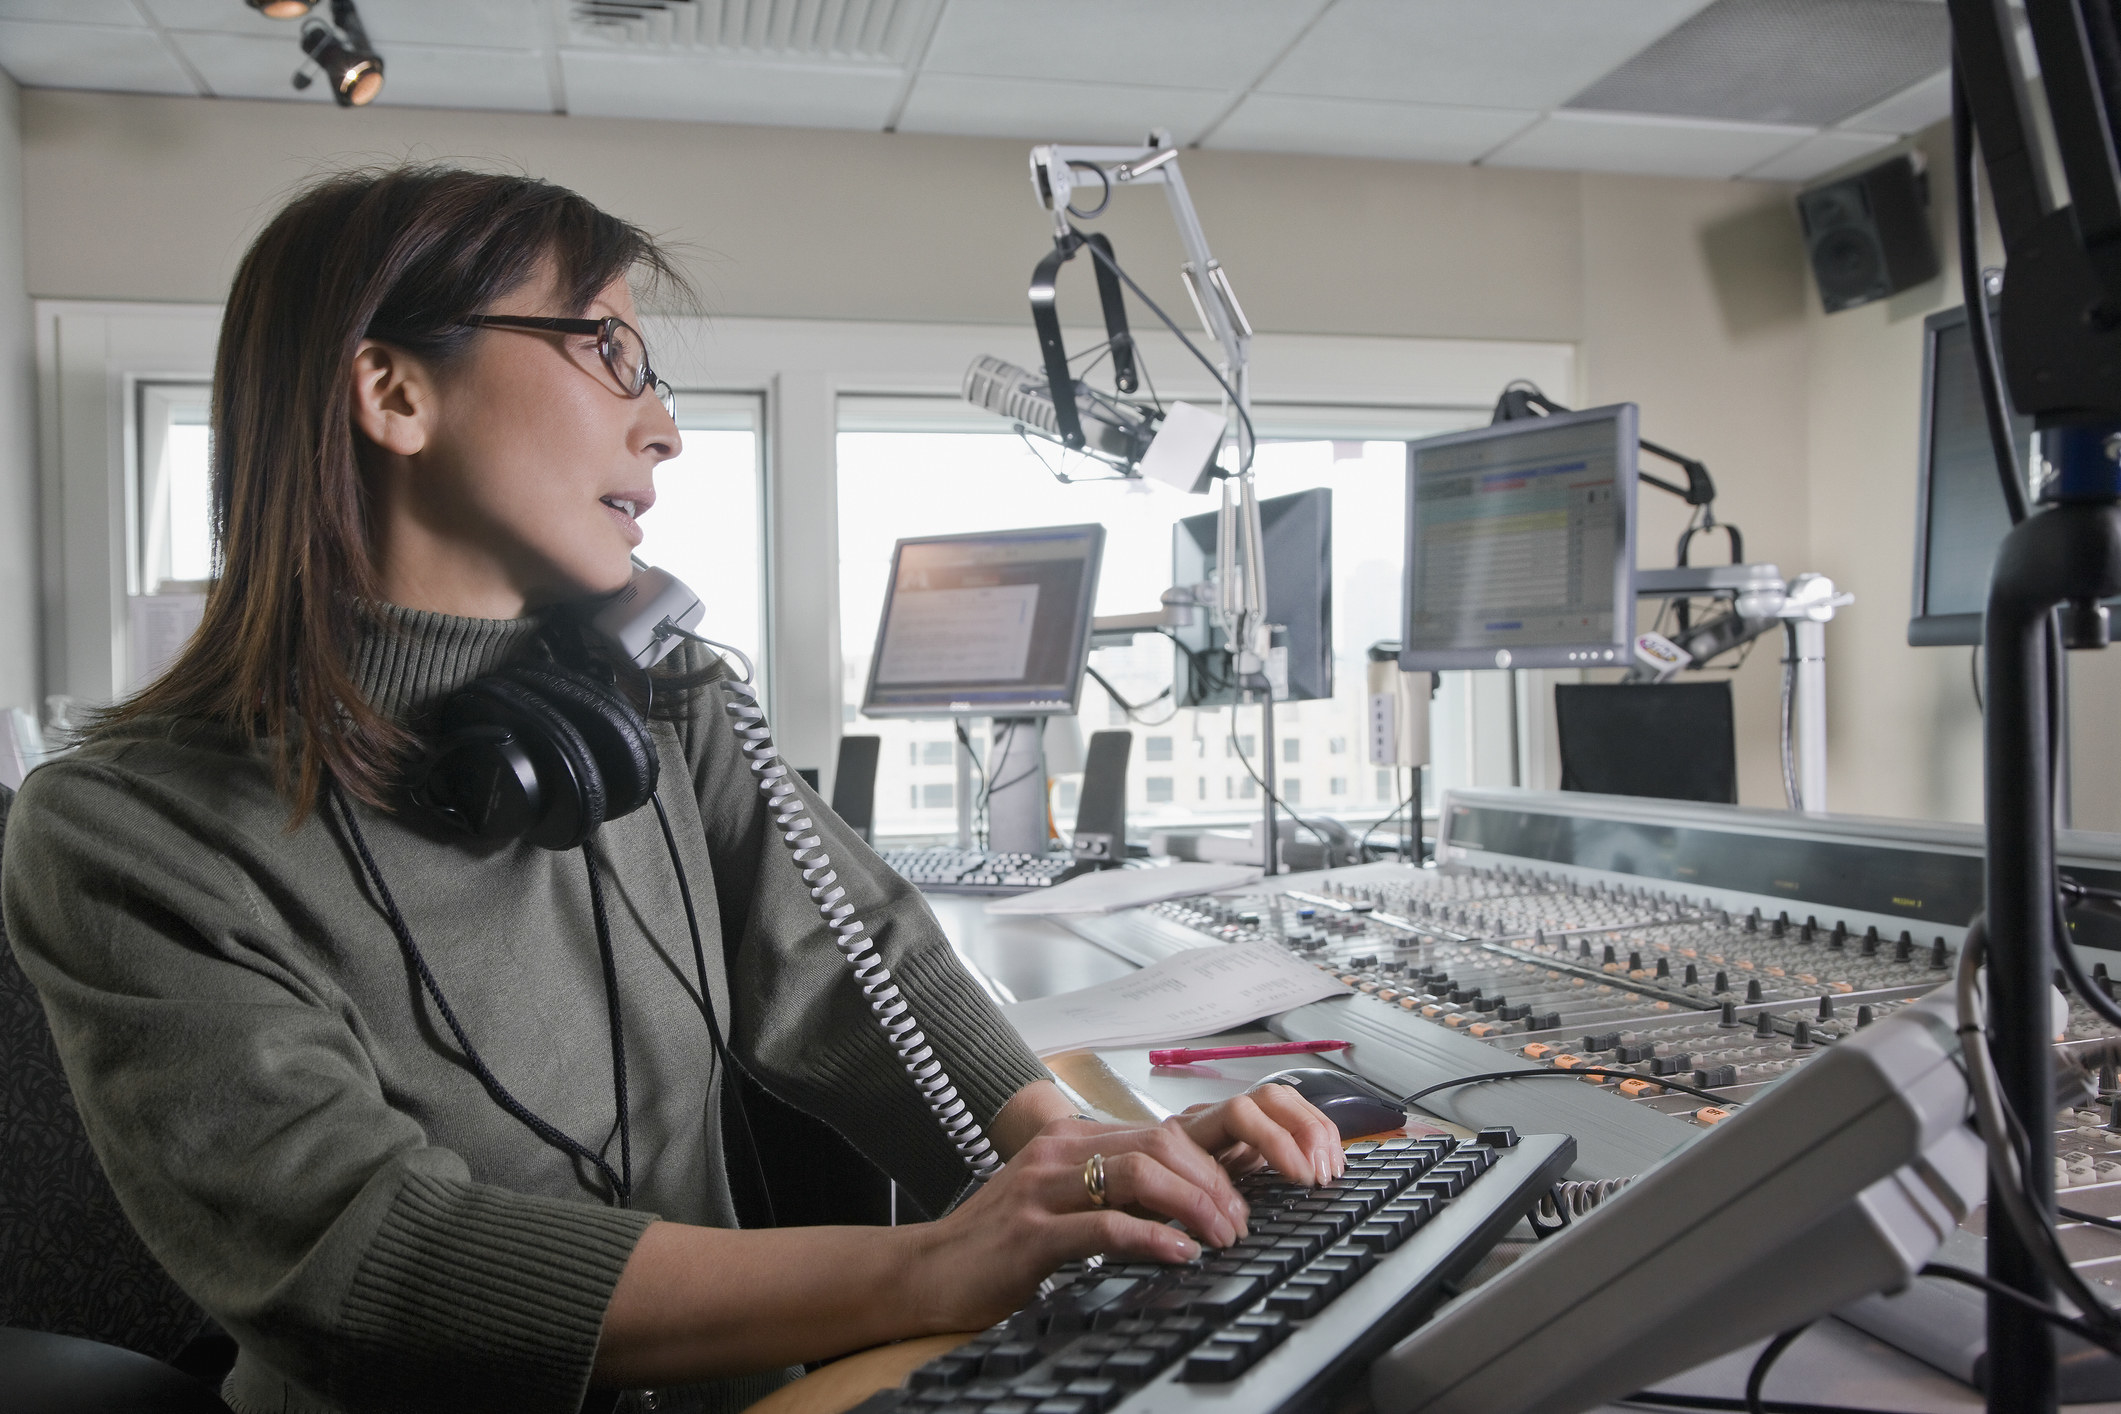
1802,1041
1752,991
1764,1026
1826,1006
1729,1020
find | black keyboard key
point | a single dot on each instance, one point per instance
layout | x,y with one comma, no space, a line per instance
1226,1298
1215,1363
1324,1233
1137,1366
1253,1341
1189,1329
1074,1364
1278,1260
1035,1390
1305,1246
944,1371
1381,1237
1443,1182
984,1392
1359,1259
1064,1404
1009,1358
1009,1406
1102,1393
1276,1326
1301,1298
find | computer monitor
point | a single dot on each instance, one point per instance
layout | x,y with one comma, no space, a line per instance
1296,532
995,624
1670,740
1521,545
1960,518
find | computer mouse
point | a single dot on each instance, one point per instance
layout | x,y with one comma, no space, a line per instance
1355,1106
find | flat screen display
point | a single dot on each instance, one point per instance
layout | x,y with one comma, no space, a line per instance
1521,544
1960,518
989,624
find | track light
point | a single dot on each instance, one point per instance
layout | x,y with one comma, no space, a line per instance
341,49
281,9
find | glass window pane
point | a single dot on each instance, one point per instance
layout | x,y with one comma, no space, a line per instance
707,526
931,480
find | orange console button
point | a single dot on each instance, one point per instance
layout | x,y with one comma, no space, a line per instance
1538,1050
1565,1061
1636,1089
1711,1114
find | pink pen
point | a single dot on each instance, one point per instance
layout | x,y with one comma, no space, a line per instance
1186,1055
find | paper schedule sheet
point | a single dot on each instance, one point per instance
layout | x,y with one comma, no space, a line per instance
1194,993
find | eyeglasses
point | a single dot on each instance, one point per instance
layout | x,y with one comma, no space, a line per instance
619,344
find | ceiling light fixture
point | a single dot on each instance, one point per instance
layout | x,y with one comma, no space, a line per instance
281,9
341,49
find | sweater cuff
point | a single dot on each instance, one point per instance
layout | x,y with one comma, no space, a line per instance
473,1297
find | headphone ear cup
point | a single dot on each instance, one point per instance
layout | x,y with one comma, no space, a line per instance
482,781
618,738
571,786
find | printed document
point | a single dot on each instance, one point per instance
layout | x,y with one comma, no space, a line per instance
1194,993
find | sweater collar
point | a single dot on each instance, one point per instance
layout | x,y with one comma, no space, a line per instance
406,660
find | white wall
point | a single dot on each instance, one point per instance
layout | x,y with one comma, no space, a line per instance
20,558
1683,296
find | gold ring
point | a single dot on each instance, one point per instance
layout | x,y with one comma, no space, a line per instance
1094,1179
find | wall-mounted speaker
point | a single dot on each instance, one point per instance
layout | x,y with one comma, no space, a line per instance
1868,235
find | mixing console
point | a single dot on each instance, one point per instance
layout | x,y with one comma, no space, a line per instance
1624,977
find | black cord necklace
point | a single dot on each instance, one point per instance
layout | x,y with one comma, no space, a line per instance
619,1181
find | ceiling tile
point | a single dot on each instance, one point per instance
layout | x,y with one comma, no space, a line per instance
438,76
1647,146
1780,61
708,89
89,56
1059,112
1340,127
1493,53
1217,44
246,66
79,12
1816,156
228,16
485,24
1910,110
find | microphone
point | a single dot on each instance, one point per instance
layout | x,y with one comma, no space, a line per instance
1114,432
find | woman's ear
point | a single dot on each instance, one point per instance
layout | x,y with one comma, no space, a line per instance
393,398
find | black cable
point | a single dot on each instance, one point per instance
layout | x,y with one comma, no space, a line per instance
2111,1224
1130,708
1364,842
1251,436
2066,958
1766,1362
1973,668
1574,1073
1994,1289
720,1047
1078,165
611,1005
621,1186
1719,1404
1981,335
1324,844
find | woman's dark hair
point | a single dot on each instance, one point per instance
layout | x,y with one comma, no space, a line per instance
402,255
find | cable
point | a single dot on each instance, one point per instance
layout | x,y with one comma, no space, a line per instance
1720,1404
2061,1319
2073,970
1789,707
618,1181
1251,438
887,1003
1076,165
1324,844
1130,708
1982,333
1973,669
1573,1073
2112,1224
1364,842
1766,1362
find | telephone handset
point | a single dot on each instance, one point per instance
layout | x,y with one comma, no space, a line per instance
646,621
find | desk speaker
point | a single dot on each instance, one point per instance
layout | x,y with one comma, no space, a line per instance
1868,235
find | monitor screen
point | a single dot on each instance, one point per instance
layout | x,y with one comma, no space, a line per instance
1521,545
1960,518
994,624
1297,543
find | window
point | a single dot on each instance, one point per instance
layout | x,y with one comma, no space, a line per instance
707,527
1292,749
1290,790
936,753
1157,748
172,539
1065,796
1337,785
1384,788
939,795
1337,746
1245,746
1159,790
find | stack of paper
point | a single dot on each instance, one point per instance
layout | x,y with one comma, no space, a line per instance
1194,993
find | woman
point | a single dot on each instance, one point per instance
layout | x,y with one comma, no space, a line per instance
431,1121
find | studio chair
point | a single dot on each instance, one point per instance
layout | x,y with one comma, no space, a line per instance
89,1322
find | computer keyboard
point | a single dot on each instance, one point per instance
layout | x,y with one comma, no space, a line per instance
1326,1280
976,871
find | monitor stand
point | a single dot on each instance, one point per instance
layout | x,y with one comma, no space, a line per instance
1016,786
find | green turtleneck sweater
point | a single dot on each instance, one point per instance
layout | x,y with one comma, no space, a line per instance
292,1129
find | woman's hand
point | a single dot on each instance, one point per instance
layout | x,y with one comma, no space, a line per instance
987,1258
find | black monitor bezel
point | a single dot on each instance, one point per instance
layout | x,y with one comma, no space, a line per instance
1616,652
990,702
1204,636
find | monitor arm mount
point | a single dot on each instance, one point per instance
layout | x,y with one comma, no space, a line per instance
1240,600
2061,364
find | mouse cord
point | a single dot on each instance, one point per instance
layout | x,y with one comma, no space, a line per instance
887,1003
714,1026
619,1182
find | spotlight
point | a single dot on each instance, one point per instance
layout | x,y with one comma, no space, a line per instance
341,49
281,9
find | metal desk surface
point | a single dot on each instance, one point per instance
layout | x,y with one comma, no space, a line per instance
1017,958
